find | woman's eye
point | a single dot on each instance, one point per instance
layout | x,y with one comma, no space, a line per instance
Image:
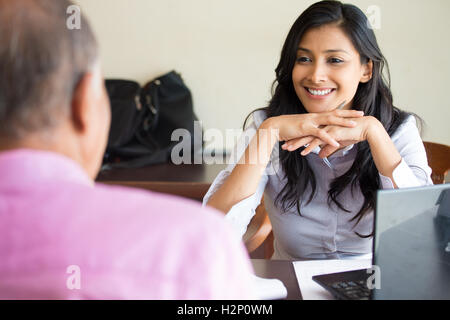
303,59
335,60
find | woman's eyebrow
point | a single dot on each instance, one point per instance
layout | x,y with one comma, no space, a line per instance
326,51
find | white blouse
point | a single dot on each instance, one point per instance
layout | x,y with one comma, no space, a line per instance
322,232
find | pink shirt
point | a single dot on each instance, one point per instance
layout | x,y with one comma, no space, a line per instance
62,237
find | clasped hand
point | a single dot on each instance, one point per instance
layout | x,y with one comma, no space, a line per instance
330,130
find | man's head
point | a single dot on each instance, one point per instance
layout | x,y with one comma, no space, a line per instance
52,94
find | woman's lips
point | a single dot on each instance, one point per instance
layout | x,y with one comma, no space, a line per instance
321,93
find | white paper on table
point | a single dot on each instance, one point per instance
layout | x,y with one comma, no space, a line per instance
269,289
305,270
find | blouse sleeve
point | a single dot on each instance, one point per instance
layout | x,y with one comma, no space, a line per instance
413,170
242,212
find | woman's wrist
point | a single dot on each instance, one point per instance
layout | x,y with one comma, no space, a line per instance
384,152
270,126
373,129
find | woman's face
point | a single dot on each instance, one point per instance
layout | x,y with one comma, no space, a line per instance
328,69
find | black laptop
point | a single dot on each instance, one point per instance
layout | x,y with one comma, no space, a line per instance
411,248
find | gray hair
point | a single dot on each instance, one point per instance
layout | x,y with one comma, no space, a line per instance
41,63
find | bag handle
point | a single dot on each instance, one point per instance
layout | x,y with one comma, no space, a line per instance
151,99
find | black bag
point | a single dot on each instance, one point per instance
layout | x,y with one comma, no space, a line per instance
143,119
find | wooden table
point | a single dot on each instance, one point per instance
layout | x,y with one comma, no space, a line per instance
186,180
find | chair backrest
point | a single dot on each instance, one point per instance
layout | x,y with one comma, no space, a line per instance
438,159
258,229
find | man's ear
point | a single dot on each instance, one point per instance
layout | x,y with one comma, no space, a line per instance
81,102
367,72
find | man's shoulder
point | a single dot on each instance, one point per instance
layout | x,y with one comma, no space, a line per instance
162,224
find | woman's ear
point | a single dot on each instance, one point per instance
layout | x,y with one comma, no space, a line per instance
367,69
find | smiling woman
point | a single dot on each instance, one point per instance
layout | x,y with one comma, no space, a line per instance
328,69
318,209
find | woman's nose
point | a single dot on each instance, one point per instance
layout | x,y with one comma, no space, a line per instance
318,73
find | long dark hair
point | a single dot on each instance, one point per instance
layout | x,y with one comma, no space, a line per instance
373,97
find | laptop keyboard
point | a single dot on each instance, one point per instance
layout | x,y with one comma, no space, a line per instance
354,290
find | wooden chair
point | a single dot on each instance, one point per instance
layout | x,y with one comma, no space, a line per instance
259,236
438,156
260,232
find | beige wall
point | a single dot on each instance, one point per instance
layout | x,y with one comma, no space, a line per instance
226,51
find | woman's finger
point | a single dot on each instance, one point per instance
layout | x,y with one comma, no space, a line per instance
337,121
348,113
314,144
327,151
323,135
295,144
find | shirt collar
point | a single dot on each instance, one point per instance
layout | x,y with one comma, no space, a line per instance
24,166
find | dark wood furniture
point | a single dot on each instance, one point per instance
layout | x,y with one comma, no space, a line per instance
438,159
189,181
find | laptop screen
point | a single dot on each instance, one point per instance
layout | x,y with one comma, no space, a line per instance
412,243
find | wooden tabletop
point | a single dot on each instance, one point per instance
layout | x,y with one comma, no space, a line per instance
186,180
196,173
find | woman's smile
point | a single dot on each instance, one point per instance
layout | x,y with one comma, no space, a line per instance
319,93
